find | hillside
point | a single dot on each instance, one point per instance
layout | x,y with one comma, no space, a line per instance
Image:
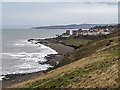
94,65
86,50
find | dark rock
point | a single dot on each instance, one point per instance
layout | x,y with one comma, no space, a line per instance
110,40
29,40
108,44
42,62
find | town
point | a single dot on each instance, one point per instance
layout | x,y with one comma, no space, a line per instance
98,30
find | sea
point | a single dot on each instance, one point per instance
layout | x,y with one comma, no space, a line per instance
20,56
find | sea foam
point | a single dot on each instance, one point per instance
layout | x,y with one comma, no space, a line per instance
29,60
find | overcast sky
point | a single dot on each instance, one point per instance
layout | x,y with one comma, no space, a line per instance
28,14
60,0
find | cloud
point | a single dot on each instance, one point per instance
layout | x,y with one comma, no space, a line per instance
36,14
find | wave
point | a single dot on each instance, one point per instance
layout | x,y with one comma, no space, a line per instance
1,77
22,43
28,61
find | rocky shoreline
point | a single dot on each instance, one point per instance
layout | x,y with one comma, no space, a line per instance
52,59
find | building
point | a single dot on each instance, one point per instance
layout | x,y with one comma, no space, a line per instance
67,32
75,33
65,36
101,31
95,33
79,32
84,32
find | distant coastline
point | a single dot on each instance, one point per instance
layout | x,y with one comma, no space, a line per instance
72,26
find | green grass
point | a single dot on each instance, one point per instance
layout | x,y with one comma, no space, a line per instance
62,81
85,51
114,52
37,83
88,50
75,41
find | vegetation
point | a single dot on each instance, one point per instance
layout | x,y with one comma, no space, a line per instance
74,41
88,50
114,52
93,65
72,77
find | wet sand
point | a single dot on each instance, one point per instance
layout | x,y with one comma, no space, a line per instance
17,78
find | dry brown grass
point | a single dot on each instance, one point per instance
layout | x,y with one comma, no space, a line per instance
64,69
99,79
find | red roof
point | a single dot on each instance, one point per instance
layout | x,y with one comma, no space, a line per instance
101,31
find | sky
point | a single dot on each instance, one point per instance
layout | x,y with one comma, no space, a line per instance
60,0
30,14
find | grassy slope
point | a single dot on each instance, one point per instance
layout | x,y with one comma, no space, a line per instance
87,50
75,41
99,69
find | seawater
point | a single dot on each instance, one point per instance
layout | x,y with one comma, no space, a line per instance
21,56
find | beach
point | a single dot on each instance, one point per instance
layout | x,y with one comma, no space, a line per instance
52,59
